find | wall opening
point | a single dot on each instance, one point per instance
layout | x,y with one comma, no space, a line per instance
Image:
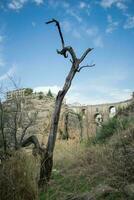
112,111
98,119
83,111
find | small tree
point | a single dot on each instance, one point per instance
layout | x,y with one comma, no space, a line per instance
41,95
49,94
28,91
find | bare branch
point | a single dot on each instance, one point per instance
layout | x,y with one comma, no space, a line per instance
78,70
85,54
12,81
59,29
70,50
33,140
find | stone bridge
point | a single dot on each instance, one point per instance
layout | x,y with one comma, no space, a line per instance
94,115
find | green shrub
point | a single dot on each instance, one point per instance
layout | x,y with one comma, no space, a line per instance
106,131
28,91
49,94
112,127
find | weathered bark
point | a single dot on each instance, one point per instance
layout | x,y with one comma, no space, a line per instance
47,160
31,140
2,124
66,134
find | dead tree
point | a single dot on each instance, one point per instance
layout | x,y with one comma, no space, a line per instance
2,127
47,161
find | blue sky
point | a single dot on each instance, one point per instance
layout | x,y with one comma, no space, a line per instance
28,46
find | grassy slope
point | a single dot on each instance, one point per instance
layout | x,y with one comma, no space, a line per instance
80,168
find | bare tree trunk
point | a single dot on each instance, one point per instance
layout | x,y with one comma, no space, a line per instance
47,160
66,134
2,124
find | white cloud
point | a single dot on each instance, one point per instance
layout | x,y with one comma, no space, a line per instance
107,3
39,2
54,89
68,28
33,24
129,22
66,25
84,5
98,42
93,31
118,3
18,4
104,89
74,14
121,6
112,25
76,34
98,94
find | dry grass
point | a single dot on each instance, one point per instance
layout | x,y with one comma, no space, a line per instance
18,178
67,153
80,168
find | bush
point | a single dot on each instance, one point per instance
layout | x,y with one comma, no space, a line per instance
41,95
28,91
106,131
112,163
49,94
18,178
111,127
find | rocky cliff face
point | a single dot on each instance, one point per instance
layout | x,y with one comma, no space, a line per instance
75,121
69,124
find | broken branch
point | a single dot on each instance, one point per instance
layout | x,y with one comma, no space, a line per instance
85,54
78,70
70,51
59,29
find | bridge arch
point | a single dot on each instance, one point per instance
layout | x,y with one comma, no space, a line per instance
98,118
112,111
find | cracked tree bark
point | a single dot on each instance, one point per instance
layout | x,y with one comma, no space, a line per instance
47,159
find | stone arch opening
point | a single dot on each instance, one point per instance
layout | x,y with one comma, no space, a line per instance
112,111
98,119
83,111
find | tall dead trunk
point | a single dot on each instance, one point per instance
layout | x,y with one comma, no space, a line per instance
66,133
47,159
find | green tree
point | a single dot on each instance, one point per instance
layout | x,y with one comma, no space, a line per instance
41,95
49,94
28,91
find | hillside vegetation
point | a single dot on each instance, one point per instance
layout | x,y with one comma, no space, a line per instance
101,168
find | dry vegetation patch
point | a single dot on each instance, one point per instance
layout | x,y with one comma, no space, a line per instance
18,177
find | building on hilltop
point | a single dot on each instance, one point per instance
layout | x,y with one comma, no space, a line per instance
28,92
15,93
